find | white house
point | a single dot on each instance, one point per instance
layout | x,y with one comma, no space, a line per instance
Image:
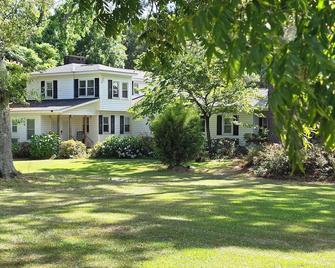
90,102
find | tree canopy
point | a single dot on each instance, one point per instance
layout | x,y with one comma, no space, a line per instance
291,41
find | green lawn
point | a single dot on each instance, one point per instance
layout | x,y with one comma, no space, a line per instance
87,213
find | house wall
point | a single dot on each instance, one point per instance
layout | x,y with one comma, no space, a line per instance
247,126
21,119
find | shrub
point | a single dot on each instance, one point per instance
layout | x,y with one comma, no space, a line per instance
257,138
177,134
21,150
72,149
272,160
123,147
44,146
222,148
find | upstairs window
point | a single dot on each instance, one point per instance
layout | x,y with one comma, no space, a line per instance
46,89
86,88
116,87
49,92
227,126
136,87
124,90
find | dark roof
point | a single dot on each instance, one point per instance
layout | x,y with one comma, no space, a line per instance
51,103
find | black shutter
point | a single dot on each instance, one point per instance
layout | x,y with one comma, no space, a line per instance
100,124
55,88
121,124
112,124
75,88
96,84
132,87
236,126
219,125
110,89
42,89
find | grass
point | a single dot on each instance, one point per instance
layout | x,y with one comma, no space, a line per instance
87,213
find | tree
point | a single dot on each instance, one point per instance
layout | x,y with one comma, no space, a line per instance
177,135
191,78
18,21
292,40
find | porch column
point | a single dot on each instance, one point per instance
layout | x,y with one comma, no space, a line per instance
70,135
58,125
85,128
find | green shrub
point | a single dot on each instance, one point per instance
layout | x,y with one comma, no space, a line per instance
72,149
177,134
257,138
272,160
123,147
21,150
44,146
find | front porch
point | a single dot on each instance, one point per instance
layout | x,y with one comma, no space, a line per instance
77,127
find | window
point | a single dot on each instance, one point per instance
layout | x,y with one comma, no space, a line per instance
106,125
227,127
15,141
115,89
135,88
14,126
86,88
30,128
124,90
110,89
90,87
49,89
126,124
82,88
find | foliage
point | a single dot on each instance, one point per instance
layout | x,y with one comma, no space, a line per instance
123,147
177,135
227,148
71,149
21,150
292,41
44,146
257,138
192,79
272,161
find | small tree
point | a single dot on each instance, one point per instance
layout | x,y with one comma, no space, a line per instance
177,135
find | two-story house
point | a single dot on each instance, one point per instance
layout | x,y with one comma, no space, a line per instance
90,102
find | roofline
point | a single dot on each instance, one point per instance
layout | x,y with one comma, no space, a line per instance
79,105
84,72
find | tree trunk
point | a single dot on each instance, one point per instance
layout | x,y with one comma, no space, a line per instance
7,169
208,135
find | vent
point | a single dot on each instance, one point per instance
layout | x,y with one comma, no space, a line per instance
74,59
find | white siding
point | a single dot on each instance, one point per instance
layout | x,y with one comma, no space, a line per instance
246,126
140,127
21,133
115,104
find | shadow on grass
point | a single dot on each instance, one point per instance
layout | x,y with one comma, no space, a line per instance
124,212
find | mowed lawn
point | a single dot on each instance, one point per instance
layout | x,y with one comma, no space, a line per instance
134,213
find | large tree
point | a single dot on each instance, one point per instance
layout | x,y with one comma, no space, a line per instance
292,40
18,21
192,79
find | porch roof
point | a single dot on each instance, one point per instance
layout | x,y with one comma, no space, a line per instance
52,105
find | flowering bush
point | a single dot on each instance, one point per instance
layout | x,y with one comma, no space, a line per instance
123,147
72,149
44,146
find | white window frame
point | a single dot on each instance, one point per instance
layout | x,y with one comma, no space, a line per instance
136,87
104,123
126,118
124,89
14,126
45,90
86,88
29,136
227,122
116,90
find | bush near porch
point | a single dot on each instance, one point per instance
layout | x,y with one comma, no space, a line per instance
124,147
